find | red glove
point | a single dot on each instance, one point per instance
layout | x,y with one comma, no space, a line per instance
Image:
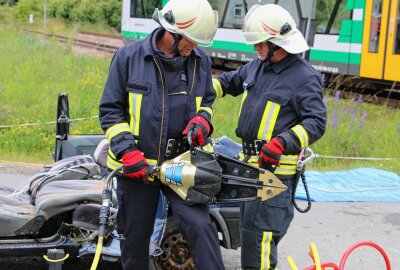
271,153
134,165
200,128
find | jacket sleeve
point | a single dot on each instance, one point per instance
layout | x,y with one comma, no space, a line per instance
311,109
205,108
113,109
230,82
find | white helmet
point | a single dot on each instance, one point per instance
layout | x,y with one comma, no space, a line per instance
273,23
194,19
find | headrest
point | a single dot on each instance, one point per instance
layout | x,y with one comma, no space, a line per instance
101,152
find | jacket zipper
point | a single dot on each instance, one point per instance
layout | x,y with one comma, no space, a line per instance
194,75
163,105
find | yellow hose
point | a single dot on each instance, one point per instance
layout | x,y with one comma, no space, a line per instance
314,252
56,261
97,254
291,262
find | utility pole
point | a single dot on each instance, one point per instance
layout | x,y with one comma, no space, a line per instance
44,16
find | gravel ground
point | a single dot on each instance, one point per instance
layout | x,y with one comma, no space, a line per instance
19,167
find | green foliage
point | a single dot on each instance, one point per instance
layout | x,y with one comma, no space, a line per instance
108,11
36,73
112,10
26,7
86,11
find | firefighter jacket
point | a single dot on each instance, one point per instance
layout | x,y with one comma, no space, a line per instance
282,99
134,108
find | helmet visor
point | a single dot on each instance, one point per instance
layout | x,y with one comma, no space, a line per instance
255,37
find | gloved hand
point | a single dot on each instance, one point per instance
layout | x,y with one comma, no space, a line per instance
201,130
134,165
271,153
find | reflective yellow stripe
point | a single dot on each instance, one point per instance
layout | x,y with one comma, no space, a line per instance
287,165
289,159
243,99
208,147
207,109
116,129
112,163
268,121
285,169
266,250
198,103
219,93
135,104
301,134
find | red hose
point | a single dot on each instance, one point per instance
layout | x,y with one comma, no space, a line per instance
371,244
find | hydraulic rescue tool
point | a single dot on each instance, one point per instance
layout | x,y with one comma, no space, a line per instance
201,177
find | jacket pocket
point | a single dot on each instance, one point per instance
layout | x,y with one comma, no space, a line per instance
138,87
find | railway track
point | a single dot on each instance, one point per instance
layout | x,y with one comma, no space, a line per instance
101,46
106,45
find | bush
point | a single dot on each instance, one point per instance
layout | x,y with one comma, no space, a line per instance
87,11
112,10
108,11
65,8
26,7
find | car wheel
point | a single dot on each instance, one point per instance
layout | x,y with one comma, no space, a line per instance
176,254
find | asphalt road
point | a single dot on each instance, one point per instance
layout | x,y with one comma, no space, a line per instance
333,227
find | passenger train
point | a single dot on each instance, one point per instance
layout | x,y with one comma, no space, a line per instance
357,38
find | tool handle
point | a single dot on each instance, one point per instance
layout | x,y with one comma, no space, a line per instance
189,139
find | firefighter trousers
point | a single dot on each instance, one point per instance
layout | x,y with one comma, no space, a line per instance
137,206
263,225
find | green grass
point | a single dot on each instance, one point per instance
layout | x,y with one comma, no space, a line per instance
33,73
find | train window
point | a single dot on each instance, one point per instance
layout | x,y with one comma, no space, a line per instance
238,10
330,15
374,31
397,38
231,13
144,8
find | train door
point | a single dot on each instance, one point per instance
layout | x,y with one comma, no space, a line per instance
381,41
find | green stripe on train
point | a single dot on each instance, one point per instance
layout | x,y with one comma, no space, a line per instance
351,32
217,44
336,57
352,4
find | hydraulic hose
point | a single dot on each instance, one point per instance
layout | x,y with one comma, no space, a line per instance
98,253
320,266
359,244
103,217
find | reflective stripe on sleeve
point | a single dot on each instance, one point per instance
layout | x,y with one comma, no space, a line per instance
268,121
116,129
198,103
202,108
301,134
219,93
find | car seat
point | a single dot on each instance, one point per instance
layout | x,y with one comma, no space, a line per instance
57,188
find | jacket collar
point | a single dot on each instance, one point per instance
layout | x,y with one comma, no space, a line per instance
284,63
148,47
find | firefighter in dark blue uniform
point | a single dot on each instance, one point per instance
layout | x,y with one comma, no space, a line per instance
157,90
282,112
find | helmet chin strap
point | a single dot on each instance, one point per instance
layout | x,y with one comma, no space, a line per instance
271,50
177,39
